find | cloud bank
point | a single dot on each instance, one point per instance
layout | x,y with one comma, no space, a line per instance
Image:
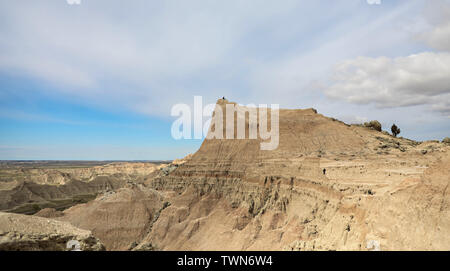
394,82
417,79
145,56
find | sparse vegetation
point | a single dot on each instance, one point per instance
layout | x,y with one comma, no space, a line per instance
395,130
57,204
446,140
374,124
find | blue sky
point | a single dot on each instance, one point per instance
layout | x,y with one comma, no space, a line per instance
98,80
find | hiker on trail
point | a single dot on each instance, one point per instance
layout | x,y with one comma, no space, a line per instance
324,171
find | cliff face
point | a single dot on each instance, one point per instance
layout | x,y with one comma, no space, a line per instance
376,191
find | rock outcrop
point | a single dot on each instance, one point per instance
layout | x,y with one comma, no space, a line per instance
30,233
328,186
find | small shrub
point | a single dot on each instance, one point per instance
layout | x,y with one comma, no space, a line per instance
374,124
446,140
395,130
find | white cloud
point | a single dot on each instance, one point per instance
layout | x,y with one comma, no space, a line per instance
418,79
142,55
439,37
437,15
152,54
394,82
297,78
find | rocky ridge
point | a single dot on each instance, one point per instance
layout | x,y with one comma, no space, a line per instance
328,186
230,195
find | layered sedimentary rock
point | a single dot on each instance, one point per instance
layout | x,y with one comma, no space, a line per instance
22,232
31,188
328,186
119,218
376,189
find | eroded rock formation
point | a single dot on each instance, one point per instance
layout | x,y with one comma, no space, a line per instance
23,232
328,186
28,189
231,195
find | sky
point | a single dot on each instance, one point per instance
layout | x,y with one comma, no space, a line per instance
97,80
